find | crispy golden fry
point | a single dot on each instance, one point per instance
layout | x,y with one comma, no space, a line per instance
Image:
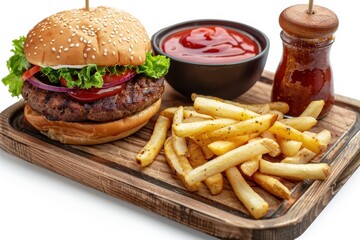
152,148
179,164
319,171
267,134
188,112
289,147
313,109
197,158
282,107
287,132
324,136
303,156
253,202
230,159
217,108
263,109
300,123
220,147
193,119
179,143
247,127
280,115
196,128
272,185
207,152
251,166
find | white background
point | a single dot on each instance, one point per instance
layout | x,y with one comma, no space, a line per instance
38,204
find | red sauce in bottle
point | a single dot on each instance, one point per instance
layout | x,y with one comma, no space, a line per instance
304,73
211,44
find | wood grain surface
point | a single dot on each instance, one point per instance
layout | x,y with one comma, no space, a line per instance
112,168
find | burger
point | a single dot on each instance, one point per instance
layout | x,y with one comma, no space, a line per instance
87,76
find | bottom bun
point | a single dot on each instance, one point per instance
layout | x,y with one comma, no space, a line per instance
89,133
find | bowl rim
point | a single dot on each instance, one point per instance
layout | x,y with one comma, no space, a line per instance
165,31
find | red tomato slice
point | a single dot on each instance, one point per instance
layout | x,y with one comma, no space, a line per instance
110,78
30,72
92,94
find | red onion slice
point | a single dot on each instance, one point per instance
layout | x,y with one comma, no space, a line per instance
37,83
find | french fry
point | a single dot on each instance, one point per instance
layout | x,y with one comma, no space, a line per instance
282,107
324,136
152,148
179,164
313,109
179,143
230,159
196,128
188,112
287,132
207,152
280,115
317,171
303,156
289,147
247,127
253,202
272,185
197,158
303,123
251,166
218,108
220,147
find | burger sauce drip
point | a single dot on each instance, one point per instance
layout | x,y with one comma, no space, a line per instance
212,44
304,74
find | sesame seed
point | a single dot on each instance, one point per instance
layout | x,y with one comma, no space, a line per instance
93,56
72,45
85,55
57,57
77,45
53,49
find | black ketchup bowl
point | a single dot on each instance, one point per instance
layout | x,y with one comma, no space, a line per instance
224,80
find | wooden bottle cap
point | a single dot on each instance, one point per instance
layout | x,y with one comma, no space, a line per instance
295,20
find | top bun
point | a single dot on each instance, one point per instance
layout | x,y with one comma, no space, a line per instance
103,36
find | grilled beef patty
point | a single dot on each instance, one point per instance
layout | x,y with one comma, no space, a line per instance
139,93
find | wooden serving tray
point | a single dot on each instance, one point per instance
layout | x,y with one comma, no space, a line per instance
112,168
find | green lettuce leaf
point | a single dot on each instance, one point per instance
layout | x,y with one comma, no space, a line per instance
154,66
16,65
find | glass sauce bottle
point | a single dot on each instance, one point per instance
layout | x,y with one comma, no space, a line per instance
304,73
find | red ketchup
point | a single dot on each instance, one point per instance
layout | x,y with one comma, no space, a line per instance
210,44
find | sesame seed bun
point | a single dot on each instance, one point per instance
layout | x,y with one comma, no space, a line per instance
104,36
90,133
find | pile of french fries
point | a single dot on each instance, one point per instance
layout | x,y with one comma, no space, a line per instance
216,140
